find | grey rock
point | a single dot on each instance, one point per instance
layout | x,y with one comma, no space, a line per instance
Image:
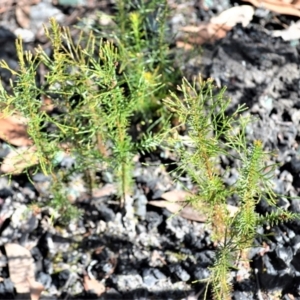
140,204
295,242
295,166
61,278
295,205
107,177
105,213
158,274
152,275
68,162
44,279
179,271
41,12
285,255
149,278
8,285
205,258
5,192
129,282
242,295
112,294
40,177
201,273
153,219
4,150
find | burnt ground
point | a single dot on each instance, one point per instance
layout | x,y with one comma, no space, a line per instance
153,256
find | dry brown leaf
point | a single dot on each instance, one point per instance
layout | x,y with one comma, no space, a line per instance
156,256
176,195
23,12
204,33
21,271
192,28
6,5
13,130
265,249
19,159
296,3
36,289
217,27
47,104
277,6
165,204
22,16
106,190
21,267
186,212
191,214
234,15
93,285
185,46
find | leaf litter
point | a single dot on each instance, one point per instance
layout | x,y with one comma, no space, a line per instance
21,270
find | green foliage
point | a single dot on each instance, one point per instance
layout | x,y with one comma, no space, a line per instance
139,30
210,133
94,108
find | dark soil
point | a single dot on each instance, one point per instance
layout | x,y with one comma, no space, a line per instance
150,255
